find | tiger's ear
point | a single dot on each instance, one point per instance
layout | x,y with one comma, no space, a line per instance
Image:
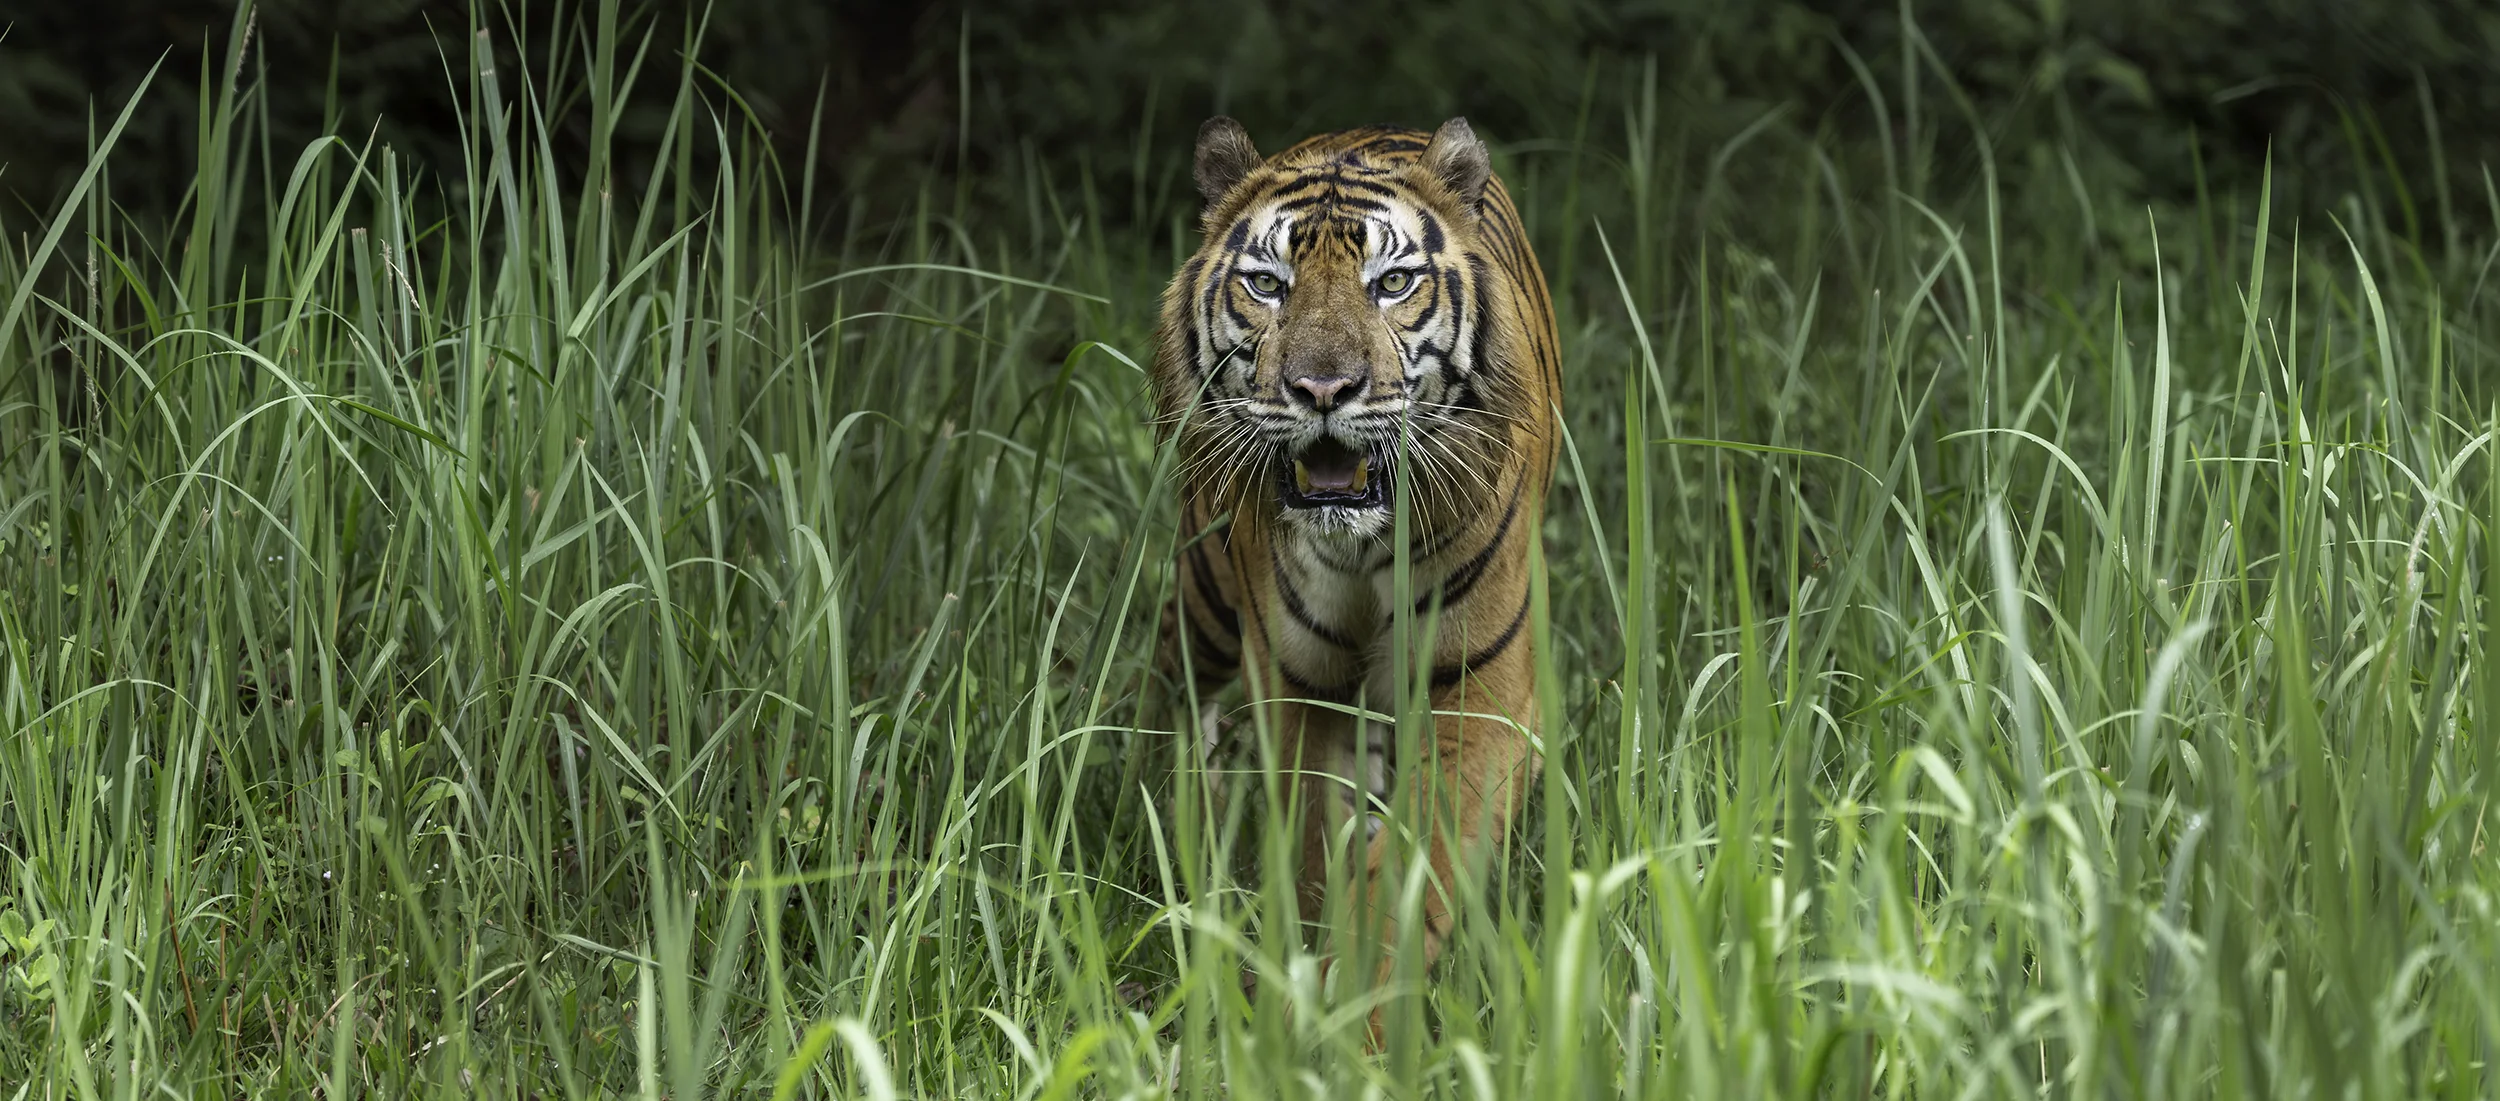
1457,158
1225,155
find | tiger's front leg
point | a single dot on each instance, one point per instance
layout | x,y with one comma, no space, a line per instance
1455,806
1305,748
1476,775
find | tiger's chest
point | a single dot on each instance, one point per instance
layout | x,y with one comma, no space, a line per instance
1331,602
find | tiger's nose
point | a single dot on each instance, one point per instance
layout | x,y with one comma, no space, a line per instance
1321,393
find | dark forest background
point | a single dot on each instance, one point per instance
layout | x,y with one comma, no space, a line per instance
2150,98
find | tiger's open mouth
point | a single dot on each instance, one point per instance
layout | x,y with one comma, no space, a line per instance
1331,473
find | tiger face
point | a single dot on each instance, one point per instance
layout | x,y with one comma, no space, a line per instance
1331,336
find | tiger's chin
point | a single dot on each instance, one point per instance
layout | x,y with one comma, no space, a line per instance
1341,523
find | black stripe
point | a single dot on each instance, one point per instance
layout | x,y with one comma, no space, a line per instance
1202,576
1339,201
1441,291
1304,231
1300,613
1462,580
1367,186
1306,688
1446,675
1336,175
1293,186
1351,226
1477,359
1428,550
1200,642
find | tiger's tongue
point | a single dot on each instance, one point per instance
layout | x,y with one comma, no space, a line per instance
1332,467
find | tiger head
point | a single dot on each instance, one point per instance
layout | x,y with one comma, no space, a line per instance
1333,324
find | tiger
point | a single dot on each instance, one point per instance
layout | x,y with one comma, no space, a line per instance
1364,299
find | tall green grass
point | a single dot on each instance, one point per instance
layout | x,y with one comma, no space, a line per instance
545,627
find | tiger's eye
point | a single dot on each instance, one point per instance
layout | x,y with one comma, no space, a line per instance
1266,283
1395,282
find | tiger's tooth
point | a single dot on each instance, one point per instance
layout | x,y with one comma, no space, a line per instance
1301,477
1362,475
